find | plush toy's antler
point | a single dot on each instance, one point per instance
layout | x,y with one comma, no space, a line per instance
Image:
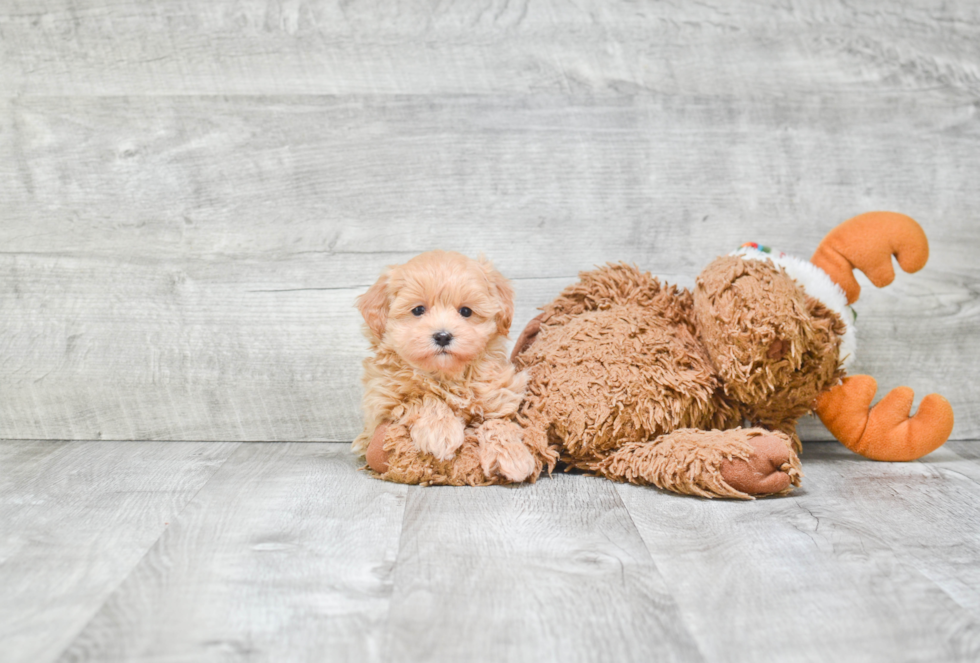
884,432
868,242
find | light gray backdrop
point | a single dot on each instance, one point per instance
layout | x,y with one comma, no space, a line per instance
192,194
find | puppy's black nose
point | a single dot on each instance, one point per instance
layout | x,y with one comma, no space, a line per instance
442,338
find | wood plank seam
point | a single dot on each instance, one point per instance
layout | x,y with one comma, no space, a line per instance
121,580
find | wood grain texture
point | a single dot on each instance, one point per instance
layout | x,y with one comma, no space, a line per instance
547,185
964,449
185,267
713,48
553,571
286,555
75,519
867,561
271,552
936,527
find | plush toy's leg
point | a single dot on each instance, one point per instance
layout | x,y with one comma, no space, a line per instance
376,456
735,463
394,456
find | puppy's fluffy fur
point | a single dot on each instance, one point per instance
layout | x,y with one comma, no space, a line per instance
440,394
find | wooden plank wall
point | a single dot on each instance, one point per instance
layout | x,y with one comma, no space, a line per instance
193,194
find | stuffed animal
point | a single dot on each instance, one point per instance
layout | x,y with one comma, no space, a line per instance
440,395
649,383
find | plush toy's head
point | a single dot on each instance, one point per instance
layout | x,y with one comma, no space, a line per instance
777,333
774,346
438,311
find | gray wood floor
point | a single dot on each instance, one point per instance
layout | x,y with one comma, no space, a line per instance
200,551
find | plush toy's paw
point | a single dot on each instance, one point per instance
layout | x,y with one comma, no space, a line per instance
376,456
772,468
438,431
503,452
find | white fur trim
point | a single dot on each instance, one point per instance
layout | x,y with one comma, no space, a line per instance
816,283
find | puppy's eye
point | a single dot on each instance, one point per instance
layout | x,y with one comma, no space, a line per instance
418,310
465,312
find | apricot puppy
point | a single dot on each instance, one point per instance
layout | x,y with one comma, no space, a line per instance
440,394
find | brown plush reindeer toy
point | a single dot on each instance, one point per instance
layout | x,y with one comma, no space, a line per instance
643,382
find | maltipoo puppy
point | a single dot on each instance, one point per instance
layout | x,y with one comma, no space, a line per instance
440,394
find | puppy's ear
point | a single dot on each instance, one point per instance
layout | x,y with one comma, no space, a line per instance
373,305
502,290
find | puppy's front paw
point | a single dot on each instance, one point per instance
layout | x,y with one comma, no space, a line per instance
438,431
503,452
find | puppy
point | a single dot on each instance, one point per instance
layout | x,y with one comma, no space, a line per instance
440,394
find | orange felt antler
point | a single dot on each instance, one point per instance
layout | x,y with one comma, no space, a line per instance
886,431
868,242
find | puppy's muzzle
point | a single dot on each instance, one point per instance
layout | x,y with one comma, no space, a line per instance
442,338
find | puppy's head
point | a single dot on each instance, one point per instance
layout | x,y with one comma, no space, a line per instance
439,310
